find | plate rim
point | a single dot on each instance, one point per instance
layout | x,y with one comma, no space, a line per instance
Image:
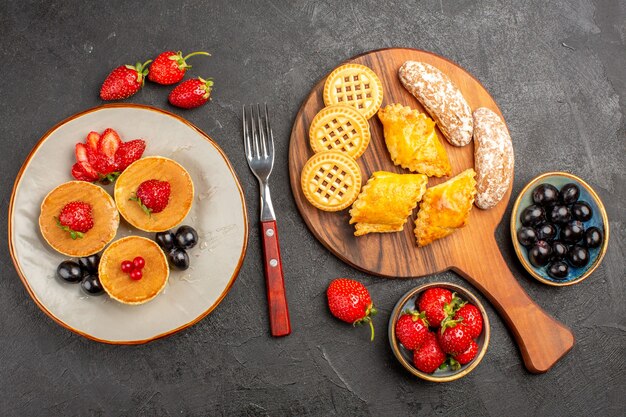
27,162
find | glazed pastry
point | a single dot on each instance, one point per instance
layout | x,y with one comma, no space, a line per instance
120,283
386,201
445,208
339,128
441,98
493,158
331,180
354,85
412,141
154,194
78,218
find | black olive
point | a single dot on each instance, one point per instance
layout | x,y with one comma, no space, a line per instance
593,237
545,195
90,263
546,231
559,250
70,271
539,255
558,270
178,258
572,232
582,211
526,236
578,256
165,240
569,193
91,285
186,237
532,215
559,214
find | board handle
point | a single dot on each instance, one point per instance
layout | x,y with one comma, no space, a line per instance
542,339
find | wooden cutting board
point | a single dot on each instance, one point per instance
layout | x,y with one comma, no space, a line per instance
472,251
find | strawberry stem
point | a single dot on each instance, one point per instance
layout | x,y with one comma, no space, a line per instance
371,328
196,53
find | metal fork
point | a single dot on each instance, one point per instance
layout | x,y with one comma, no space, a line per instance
258,141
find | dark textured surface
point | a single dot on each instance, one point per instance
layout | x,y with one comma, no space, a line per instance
558,73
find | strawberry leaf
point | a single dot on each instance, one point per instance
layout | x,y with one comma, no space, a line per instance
143,206
73,233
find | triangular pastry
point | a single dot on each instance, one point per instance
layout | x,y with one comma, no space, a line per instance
386,201
412,141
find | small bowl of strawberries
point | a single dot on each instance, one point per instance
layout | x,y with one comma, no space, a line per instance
439,331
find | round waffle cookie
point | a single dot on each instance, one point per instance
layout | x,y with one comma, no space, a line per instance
339,128
354,85
331,180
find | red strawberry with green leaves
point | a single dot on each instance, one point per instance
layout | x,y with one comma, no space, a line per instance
429,356
75,218
350,301
453,337
170,67
411,329
471,318
152,196
191,93
124,81
467,356
437,303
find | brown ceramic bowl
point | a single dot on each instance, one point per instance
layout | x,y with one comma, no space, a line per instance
405,356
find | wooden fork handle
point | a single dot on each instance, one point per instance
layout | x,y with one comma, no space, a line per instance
542,339
274,280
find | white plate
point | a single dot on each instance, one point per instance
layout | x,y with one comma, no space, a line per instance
218,214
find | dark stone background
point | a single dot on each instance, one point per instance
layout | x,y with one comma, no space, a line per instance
558,72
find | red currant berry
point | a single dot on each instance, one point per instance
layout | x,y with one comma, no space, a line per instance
136,274
139,262
127,266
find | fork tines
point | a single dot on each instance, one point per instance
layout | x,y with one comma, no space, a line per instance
257,133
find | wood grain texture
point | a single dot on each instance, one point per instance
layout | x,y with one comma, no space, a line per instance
542,340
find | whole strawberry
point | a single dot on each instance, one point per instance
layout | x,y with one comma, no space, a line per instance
429,356
75,218
170,67
411,329
468,355
152,196
124,81
471,318
191,93
453,337
433,302
350,301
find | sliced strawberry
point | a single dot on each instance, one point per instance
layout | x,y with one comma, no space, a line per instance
101,163
92,141
129,152
82,171
109,143
81,153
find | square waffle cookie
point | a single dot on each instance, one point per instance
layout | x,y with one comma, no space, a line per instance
331,180
354,85
339,128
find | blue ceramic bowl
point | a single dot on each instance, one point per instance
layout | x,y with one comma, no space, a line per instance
599,220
